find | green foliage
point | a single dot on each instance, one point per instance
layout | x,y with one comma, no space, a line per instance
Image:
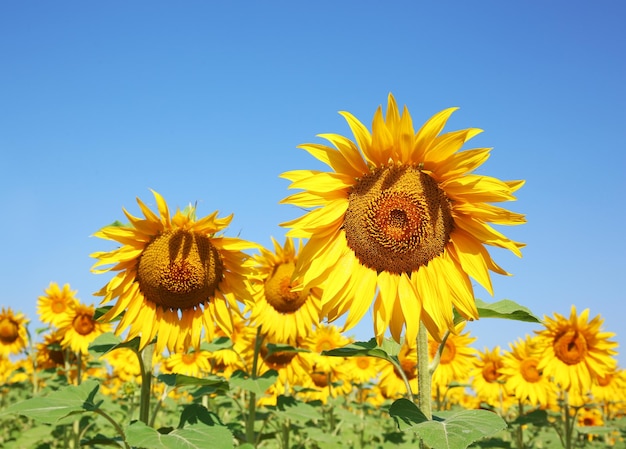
449,430
194,436
505,309
257,385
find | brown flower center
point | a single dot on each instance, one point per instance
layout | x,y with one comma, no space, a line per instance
179,270
83,323
278,290
603,381
320,379
529,371
9,331
570,347
490,371
278,359
398,219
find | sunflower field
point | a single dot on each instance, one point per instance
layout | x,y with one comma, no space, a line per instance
202,340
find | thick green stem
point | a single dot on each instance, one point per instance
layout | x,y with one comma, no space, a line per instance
145,363
423,373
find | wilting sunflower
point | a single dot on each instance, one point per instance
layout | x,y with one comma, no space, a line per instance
79,328
55,304
403,213
13,334
523,377
575,351
283,314
176,276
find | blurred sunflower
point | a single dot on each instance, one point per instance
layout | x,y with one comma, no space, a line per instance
575,351
50,354
176,276
54,306
391,382
610,392
363,370
79,328
190,363
455,362
522,375
487,379
13,333
283,314
402,213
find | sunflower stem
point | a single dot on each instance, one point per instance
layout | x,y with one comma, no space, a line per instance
423,373
250,437
146,382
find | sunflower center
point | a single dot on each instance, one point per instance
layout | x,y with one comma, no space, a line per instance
320,379
409,368
58,305
9,331
363,362
189,359
448,353
529,371
179,270
83,324
398,219
278,359
278,290
570,347
490,372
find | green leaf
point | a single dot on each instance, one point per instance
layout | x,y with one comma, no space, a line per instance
273,348
362,349
67,401
195,436
258,386
293,409
108,341
181,380
505,309
217,344
449,430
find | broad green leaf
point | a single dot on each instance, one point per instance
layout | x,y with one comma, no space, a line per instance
505,309
293,409
195,436
68,400
217,344
449,430
194,413
258,386
181,380
108,341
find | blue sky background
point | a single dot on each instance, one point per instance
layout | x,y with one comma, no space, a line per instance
207,101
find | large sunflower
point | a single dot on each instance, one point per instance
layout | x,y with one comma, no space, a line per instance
575,351
403,213
175,277
284,315
13,333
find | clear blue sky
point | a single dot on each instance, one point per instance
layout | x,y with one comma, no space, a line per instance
207,101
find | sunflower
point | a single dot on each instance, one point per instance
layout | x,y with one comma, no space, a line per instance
55,304
79,328
391,382
487,378
575,351
191,363
363,370
13,333
175,276
50,354
455,362
523,378
283,314
402,213
610,391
